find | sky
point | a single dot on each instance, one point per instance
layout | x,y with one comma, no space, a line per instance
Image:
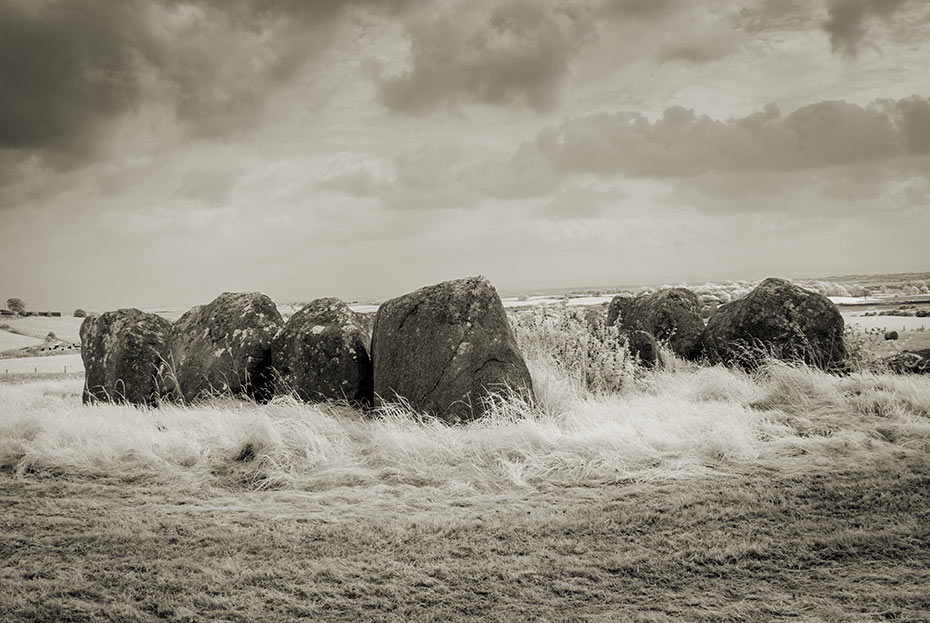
155,153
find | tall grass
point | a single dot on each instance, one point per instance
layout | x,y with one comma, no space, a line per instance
577,346
596,420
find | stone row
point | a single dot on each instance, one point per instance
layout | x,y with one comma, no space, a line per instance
441,350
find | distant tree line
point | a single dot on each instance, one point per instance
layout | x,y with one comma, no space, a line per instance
16,305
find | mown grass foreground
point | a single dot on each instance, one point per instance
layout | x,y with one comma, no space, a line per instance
690,494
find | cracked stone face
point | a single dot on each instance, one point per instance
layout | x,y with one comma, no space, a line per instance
444,348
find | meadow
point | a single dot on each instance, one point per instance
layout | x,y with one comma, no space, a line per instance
65,327
692,493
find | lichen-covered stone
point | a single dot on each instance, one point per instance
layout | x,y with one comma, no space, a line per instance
223,347
122,351
671,315
776,319
444,348
322,353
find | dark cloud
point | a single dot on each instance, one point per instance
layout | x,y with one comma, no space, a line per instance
516,52
772,14
697,51
639,9
222,61
69,69
682,143
521,51
913,118
846,23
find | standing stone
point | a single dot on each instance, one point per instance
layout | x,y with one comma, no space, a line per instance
223,347
780,319
122,351
619,305
645,349
672,315
444,348
323,354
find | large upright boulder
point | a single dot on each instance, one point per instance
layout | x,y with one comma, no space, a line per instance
122,351
323,354
223,347
444,348
777,319
671,314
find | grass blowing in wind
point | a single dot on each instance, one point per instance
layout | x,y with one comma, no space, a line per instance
645,495
597,419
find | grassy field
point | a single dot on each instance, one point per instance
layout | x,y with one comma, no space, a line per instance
65,327
819,544
50,365
10,341
700,494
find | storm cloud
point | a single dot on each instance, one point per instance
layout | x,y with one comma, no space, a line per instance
516,52
66,69
70,70
847,21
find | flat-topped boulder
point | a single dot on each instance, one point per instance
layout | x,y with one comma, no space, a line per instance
444,348
223,347
322,353
777,319
671,315
122,352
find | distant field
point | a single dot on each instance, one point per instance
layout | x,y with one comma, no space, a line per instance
65,328
886,323
913,333
53,364
10,341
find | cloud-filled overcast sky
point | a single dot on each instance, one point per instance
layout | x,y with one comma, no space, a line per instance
159,152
